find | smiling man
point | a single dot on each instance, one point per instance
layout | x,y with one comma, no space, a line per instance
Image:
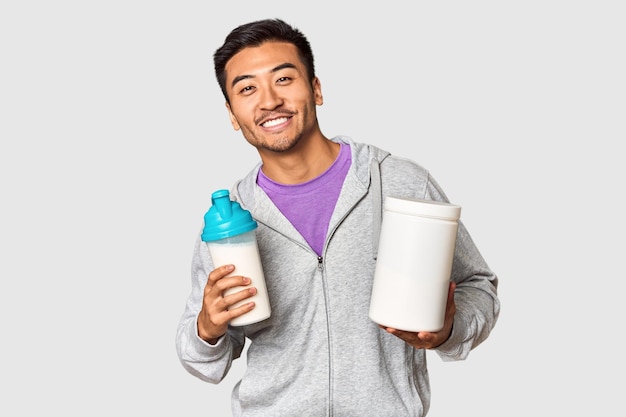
272,99
317,202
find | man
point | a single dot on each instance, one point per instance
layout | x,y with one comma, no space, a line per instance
316,202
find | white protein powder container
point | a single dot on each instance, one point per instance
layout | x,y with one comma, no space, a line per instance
415,254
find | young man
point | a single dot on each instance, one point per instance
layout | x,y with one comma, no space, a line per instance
316,202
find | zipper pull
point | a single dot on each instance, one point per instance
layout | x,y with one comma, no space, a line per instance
320,262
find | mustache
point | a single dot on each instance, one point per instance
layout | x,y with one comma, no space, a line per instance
274,115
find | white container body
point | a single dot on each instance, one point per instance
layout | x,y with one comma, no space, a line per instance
243,252
415,254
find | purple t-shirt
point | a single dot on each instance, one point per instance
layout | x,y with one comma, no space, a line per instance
309,205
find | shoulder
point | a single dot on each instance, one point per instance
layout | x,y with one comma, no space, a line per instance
403,177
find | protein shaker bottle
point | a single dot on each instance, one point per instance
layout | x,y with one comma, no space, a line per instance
230,234
415,254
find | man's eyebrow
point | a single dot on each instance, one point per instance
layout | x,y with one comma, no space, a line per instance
283,66
276,68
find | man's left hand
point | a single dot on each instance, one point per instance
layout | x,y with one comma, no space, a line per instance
429,340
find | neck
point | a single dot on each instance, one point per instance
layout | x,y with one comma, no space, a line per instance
308,160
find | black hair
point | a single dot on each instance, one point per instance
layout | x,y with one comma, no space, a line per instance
254,34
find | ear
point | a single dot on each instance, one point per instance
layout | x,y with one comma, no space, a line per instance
317,91
233,119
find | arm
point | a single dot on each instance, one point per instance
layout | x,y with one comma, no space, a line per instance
475,297
473,305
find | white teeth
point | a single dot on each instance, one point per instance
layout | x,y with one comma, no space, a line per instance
275,122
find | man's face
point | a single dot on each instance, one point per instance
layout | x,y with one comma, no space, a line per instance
271,99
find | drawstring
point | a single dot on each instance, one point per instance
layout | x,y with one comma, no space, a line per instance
377,204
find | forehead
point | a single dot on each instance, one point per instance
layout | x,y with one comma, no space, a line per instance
257,60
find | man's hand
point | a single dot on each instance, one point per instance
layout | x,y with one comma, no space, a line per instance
430,340
215,314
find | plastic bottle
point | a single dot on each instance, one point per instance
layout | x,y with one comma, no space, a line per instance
230,234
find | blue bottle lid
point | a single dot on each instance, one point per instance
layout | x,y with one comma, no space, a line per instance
226,218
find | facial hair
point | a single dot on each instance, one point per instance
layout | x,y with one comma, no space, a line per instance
278,142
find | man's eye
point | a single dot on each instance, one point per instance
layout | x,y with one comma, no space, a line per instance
247,89
283,80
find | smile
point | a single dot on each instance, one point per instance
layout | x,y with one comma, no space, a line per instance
275,122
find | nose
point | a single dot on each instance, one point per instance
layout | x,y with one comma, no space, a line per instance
270,99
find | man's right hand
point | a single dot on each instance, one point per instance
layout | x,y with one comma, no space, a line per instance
215,314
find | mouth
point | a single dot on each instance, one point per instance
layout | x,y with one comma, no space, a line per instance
275,122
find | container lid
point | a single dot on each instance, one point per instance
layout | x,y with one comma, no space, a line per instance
226,218
424,208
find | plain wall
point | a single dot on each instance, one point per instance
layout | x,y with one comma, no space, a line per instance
114,134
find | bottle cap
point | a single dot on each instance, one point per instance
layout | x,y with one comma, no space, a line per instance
226,218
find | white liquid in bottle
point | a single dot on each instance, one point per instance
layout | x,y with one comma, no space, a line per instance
242,251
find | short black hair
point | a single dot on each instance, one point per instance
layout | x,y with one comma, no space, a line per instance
254,34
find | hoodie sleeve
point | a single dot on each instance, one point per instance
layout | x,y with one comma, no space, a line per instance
477,303
208,362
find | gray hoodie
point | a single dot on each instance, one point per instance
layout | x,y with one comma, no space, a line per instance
319,354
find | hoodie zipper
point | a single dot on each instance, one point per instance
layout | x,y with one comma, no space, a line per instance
320,267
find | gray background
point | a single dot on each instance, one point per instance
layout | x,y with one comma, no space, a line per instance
114,134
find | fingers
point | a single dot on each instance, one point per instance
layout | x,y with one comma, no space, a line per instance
220,282
451,292
218,273
429,340
450,306
419,340
233,300
223,301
